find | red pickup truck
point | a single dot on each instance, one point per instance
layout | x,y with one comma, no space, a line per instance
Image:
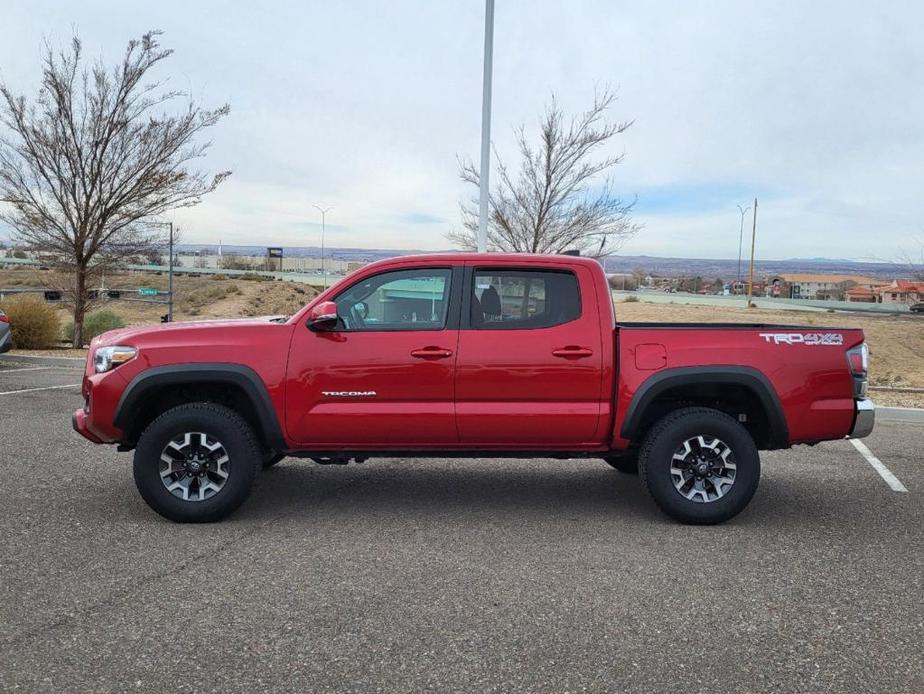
476,356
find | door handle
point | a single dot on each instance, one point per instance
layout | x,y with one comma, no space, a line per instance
572,352
431,353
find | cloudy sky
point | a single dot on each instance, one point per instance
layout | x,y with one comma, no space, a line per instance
816,108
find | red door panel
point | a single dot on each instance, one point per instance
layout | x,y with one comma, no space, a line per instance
530,388
383,378
367,389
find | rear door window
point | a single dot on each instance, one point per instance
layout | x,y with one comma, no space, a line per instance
519,299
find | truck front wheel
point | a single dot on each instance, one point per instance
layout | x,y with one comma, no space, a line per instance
700,465
196,463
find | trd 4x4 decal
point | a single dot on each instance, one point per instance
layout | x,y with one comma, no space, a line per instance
803,338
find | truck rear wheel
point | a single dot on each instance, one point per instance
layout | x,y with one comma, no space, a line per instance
700,466
196,463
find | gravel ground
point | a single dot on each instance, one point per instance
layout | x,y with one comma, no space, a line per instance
483,575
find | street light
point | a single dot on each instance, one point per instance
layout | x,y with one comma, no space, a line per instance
743,211
483,177
753,242
323,211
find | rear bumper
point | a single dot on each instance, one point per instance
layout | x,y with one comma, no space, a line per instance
79,422
6,341
864,420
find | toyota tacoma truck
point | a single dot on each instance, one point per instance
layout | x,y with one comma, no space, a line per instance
469,355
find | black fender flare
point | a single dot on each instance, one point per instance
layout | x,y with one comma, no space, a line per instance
237,375
749,377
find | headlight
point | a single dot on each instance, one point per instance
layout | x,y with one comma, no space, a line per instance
107,358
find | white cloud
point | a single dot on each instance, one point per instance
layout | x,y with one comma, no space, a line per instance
816,108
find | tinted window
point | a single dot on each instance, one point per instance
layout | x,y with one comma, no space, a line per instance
400,300
503,299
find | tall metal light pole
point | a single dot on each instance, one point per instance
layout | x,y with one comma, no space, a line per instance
323,211
170,278
484,176
753,239
743,211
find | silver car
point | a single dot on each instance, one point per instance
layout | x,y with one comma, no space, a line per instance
6,335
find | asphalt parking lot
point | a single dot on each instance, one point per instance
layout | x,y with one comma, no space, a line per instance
452,575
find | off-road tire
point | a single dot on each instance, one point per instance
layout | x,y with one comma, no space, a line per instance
227,427
668,435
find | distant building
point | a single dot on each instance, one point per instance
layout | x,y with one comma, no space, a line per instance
864,295
740,287
901,292
818,287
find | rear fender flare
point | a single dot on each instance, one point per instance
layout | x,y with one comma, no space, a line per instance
752,379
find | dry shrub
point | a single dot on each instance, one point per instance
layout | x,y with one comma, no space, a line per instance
34,323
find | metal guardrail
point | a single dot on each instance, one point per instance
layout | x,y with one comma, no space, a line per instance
117,294
310,278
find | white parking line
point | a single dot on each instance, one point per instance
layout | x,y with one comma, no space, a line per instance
32,390
883,471
28,368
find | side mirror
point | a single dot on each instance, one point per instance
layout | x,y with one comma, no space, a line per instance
322,316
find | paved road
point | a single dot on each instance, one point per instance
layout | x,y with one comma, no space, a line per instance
811,305
488,575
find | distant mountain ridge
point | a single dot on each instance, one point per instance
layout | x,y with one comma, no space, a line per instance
709,268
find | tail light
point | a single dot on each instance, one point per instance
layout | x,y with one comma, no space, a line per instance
858,361
4,318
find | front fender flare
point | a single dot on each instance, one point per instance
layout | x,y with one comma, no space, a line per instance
237,375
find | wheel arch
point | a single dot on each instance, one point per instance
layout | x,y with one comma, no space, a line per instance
238,386
732,389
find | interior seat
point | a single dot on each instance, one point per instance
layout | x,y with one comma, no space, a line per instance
491,303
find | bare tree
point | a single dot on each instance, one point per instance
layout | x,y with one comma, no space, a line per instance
562,197
95,156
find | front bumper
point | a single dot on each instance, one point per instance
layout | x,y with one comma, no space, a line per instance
864,420
79,422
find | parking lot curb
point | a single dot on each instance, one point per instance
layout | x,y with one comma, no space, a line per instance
72,362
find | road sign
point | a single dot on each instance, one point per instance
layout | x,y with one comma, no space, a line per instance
147,291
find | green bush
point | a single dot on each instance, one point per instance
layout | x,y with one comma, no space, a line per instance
34,323
630,299
94,324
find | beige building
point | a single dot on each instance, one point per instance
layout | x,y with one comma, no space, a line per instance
820,287
901,292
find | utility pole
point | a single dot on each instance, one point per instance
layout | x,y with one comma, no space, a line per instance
323,211
743,211
484,176
753,239
169,225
